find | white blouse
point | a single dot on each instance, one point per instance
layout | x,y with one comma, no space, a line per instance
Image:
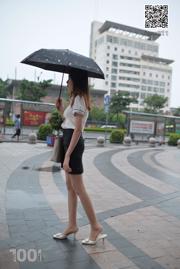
79,107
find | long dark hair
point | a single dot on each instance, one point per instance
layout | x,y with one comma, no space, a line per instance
80,86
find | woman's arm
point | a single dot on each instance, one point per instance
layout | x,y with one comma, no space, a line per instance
59,106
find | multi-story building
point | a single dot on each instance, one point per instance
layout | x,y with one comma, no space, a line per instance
129,58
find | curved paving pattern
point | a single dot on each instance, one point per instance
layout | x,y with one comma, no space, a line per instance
136,199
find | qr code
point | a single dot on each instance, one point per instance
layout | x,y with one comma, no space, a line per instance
156,16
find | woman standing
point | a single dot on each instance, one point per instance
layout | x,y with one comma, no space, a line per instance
75,116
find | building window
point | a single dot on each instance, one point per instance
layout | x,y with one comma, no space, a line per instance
113,77
162,84
168,83
162,76
144,73
129,51
122,50
106,82
113,84
114,71
115,57
107,54
115,49
107,68
161,90
107,61
150,74
108,47
156,75
114,64
107,75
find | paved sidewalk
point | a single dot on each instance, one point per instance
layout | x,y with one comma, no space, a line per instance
136,194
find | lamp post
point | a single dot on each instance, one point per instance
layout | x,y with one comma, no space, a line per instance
106,108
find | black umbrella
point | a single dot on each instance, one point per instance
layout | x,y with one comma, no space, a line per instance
63,61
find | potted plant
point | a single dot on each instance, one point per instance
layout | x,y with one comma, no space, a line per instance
55,121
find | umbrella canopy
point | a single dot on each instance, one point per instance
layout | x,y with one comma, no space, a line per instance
63,61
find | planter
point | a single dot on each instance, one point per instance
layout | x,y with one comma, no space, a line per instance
32,138
50,140
152,142
100,141
178,144
127,141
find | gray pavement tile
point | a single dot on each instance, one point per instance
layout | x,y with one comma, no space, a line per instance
146,263
33,265
136,159
103,163
140,258
68,264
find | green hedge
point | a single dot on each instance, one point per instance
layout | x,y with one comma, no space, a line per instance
98,129
43,131
173,138
117,136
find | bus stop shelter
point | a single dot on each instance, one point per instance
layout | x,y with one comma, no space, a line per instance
141,126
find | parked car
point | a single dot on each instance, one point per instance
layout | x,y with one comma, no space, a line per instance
108,126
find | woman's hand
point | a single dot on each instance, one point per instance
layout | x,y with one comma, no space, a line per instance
66,164
59,104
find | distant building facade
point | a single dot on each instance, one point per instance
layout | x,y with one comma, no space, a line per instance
129,58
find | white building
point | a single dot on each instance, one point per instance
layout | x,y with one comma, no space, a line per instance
129,58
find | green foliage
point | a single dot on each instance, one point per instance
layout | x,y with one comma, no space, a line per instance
3,89
97,129
32,91
154,103
43,131
120,101
120,121
9,122
55,120
177,112
173,138
117,136
97,114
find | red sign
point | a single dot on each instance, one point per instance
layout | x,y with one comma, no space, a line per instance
33,118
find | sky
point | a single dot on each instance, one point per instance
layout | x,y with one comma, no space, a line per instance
28,25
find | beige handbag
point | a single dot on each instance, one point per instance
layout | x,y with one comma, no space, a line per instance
58,151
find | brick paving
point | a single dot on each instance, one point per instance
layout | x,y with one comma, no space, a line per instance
136,194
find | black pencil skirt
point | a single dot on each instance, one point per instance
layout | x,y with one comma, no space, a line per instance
76,156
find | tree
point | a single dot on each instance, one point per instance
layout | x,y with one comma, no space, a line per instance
154,103
177,112
32,91
120,101
4,92
97,114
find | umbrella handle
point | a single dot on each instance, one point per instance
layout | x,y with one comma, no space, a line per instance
61,86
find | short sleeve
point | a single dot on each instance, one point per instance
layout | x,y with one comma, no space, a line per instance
79,105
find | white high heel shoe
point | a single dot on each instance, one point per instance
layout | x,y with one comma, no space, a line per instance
62,236
87,241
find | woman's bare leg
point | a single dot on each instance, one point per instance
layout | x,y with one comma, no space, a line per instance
72,205
79,188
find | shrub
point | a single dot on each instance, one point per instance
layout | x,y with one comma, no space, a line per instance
173,138
55,120
43,131
117,136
